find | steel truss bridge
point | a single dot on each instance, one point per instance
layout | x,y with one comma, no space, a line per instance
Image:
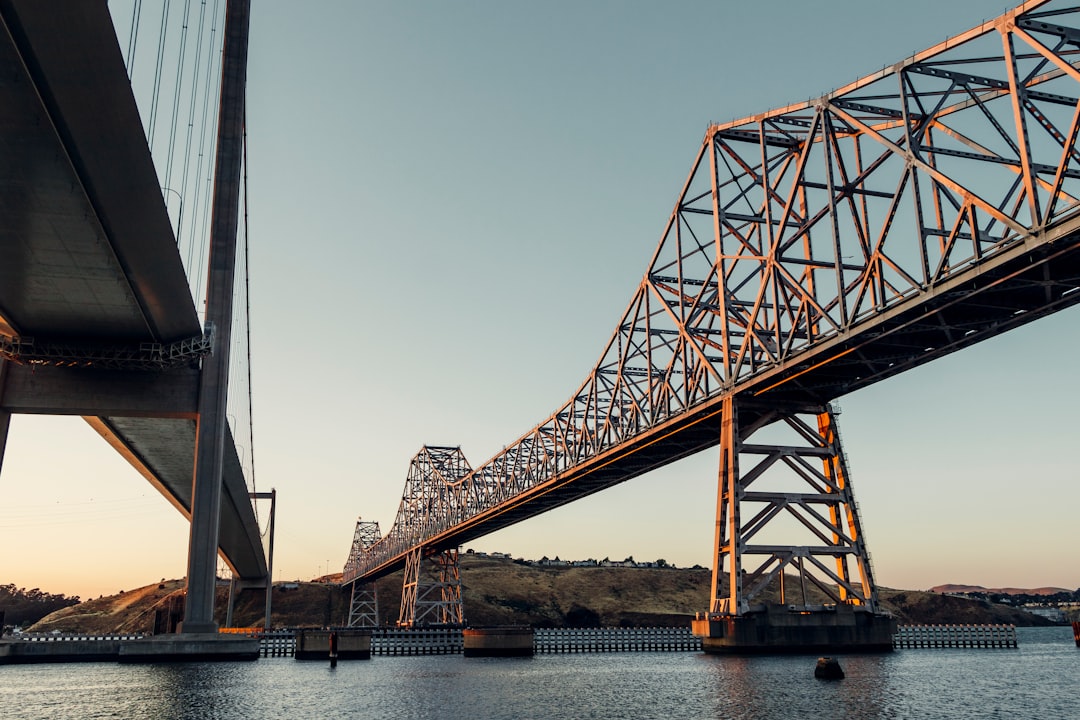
814,250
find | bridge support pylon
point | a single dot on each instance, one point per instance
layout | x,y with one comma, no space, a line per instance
791,571
431,590
214,376
364,597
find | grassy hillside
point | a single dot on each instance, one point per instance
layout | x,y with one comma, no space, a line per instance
499,592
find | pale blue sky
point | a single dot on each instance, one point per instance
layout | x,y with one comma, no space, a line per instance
451,204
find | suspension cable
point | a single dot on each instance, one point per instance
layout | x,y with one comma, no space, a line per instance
192,103
133,37
200,197
177,92
162,32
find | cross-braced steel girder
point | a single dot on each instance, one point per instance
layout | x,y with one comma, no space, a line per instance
814,250
821,547
431,592
363,606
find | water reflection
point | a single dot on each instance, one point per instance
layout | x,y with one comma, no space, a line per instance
907,684
785,687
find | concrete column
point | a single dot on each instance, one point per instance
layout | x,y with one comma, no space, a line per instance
213,389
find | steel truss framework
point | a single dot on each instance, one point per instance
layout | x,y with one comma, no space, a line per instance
821,501
143,356
815,249
364,597
431,591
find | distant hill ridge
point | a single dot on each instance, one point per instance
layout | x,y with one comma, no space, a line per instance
499,591
954,588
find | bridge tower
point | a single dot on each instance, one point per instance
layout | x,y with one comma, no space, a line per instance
364,597
431,589
213,388
791,566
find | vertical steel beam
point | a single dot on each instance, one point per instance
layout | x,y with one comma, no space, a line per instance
721,264
846,512
727,541
213,391
409,585
835,476
1019,90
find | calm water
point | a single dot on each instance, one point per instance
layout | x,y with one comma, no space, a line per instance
1037,680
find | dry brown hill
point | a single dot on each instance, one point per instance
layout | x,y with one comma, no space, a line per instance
498,592
953,588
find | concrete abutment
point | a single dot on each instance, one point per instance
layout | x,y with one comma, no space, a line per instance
777,629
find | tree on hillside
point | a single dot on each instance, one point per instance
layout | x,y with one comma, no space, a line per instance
25,607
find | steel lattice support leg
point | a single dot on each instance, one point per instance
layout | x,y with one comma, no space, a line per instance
728,562
804,522
431,592
845,514
364,606
407,614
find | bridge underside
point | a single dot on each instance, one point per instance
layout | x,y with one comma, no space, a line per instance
1007,291
89,267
